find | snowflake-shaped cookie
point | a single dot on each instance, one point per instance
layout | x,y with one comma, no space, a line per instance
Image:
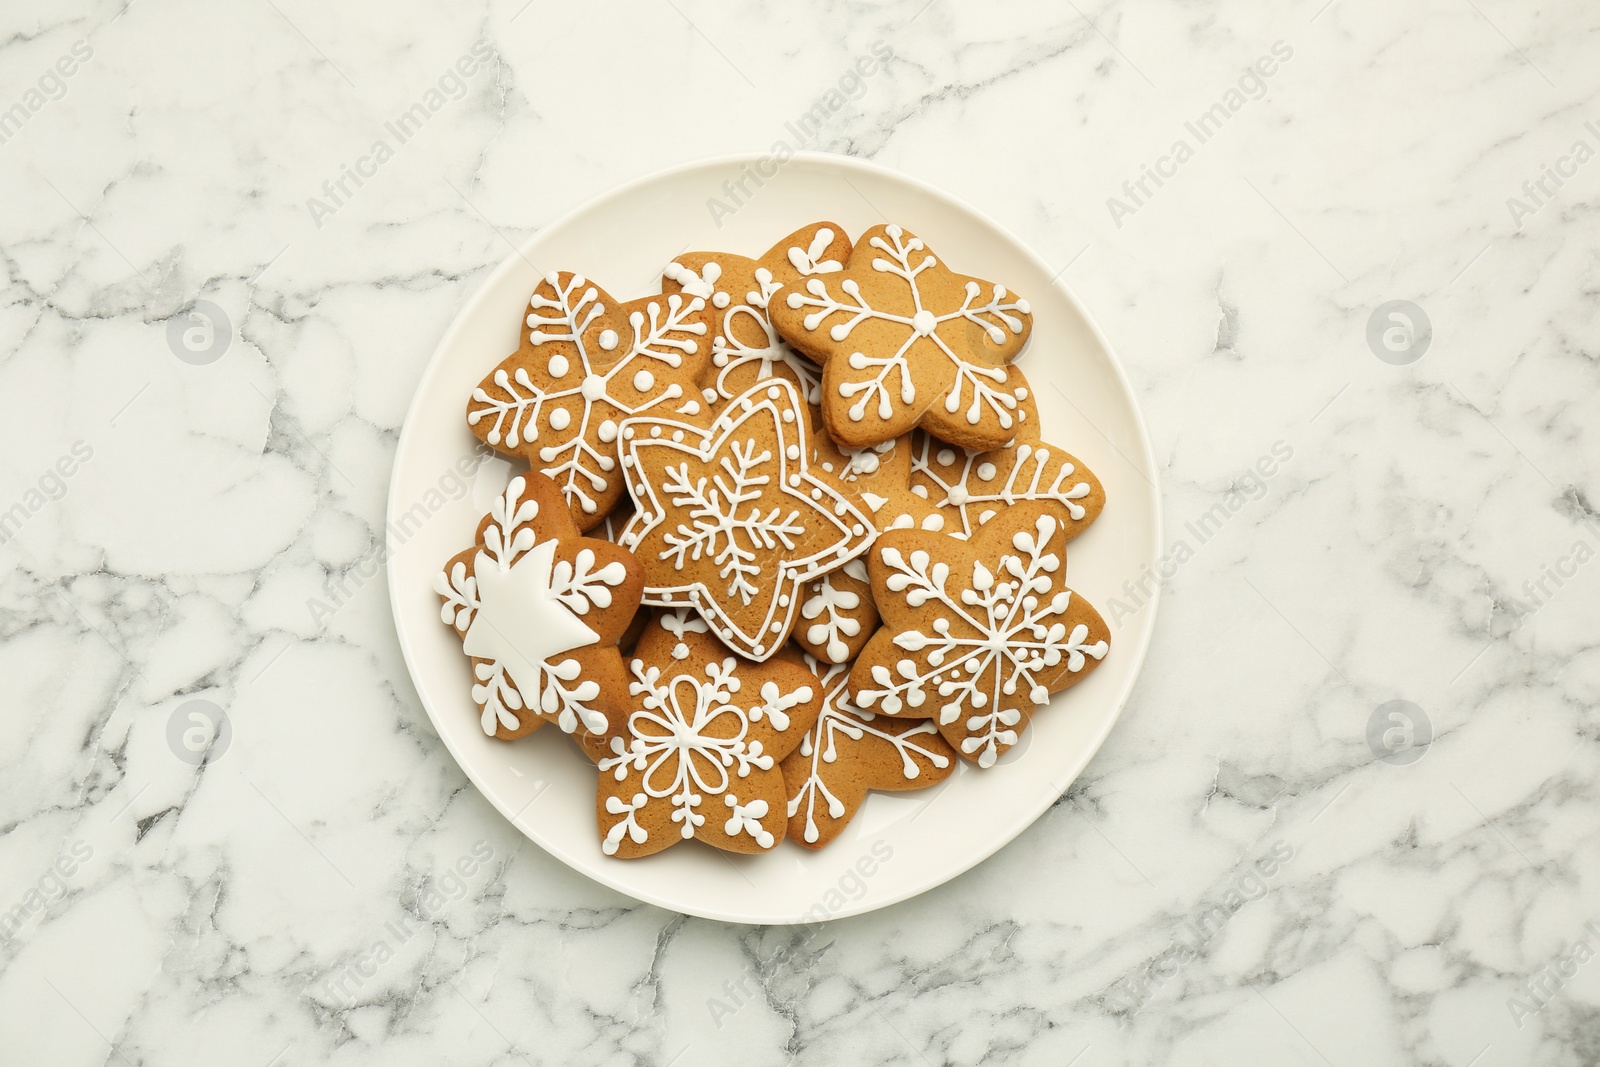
539,610
732,520
745,349
977,633
587,362
700,751
850,751
966,489
904,341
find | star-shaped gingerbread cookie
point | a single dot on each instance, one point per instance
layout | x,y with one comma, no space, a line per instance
585,363
904,341
745,349
966,489
539,610
732,519
977,634
848,752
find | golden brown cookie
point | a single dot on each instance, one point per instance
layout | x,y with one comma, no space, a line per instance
733,519
848,752
745,349
836,611
585,363
539,610
904,341
700,750
978,633
610,529
966,489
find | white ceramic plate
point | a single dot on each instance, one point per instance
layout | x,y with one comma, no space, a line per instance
890,851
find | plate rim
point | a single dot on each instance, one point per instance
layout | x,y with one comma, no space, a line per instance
1005,835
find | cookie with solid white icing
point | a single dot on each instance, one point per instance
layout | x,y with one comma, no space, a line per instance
586,362
978,633
539,610
903,340
734,519
849,752
700,750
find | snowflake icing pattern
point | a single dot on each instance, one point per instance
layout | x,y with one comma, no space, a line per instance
842,734
559,399
976,486
982,656
972,377
737,501
691,742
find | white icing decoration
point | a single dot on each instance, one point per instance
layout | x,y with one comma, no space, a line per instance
746,818
840,725
981,653
643,381
968,481
682,621
808,261
828,610
751,513
987,383
729,352
686,738
664,337
520,609
560,418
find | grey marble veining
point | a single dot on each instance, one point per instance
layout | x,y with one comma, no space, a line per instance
1256,868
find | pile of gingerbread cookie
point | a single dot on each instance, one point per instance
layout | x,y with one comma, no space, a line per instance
789,533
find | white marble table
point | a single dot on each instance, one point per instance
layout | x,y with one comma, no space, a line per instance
1238,878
